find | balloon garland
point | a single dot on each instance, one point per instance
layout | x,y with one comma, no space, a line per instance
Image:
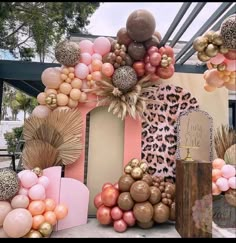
218,50
117,71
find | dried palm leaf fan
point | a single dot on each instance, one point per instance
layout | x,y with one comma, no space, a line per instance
37,153
225,137
61,129
230,155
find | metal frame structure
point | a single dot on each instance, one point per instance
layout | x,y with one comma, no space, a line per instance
26,76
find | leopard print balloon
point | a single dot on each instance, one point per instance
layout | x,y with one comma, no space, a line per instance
67,53
9,183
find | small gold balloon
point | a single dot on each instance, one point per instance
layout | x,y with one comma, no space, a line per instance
38,171
203,57
169,59
200,43
45,229
127,169
221,67
143,166
164,56
164,63
217,39
51,101
211,50
134,162
223,50
137,173
33,234
209,35
214,65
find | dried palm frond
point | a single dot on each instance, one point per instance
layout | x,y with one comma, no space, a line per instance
62,129
132,103
37,153
225,137
230,155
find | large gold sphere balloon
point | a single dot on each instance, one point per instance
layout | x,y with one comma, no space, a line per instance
33,234
155,196
203,57
200,43
125,201
147,225
161,213
211,50
45,229
140,191
143,212
38,171
230,197
125,182
137,173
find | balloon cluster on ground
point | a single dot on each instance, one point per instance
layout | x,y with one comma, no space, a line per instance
224,180
134,54
137,198
25,210
218,50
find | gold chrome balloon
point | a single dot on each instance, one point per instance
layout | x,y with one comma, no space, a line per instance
38,171
127,169
203,57
137,173
33,234
143,166
45,229
209,35
134,162
164,63
217,39
211,50
221,67
51,101
223,50
200,43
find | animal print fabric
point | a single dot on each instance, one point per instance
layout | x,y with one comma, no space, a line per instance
159,133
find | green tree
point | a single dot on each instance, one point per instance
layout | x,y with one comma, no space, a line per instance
42,23
12,138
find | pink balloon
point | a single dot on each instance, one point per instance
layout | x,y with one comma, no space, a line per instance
85,58
3,233
51,78
5,208
215,190
129,218
232,182
150,69
18,223
86,46
116,213
97,75
81,71
41,111
23,191
213,79
230,65
21,173
155,59
230,86
222,184
96,56
20,201
107,69
44,181
228,171
29,179
90,68
219,58
101,45
37,192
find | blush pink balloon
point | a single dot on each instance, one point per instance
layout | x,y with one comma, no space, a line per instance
86,46
20,201
230,65
21,173
5,208
51,78
215,190
219,58
37,192
222,184
101,46
90,68
85,58
81,71
155,59
218,163
107,69
97,76
18,223
41,111
213,79
44,181
29,179
96,56
232,182
230,86
3,233
228,171
120,226
116,213
129,218
23,191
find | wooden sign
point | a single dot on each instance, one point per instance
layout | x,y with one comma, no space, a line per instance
195,130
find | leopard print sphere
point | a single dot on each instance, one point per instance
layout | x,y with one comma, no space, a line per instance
9,184
124,78
67,53
228,32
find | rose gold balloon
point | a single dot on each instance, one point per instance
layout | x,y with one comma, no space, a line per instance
120,226
105,185
155,196
129,218
153,41
61,211
97,200
143,212
147,225
170,188
18,223
148,179
5,208
125,182
110,196
50,217
104,215
125,201
140,191
161,213
123,37
37,221
172,212
36,207
116,213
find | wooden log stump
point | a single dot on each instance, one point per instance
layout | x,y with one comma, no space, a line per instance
194,199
